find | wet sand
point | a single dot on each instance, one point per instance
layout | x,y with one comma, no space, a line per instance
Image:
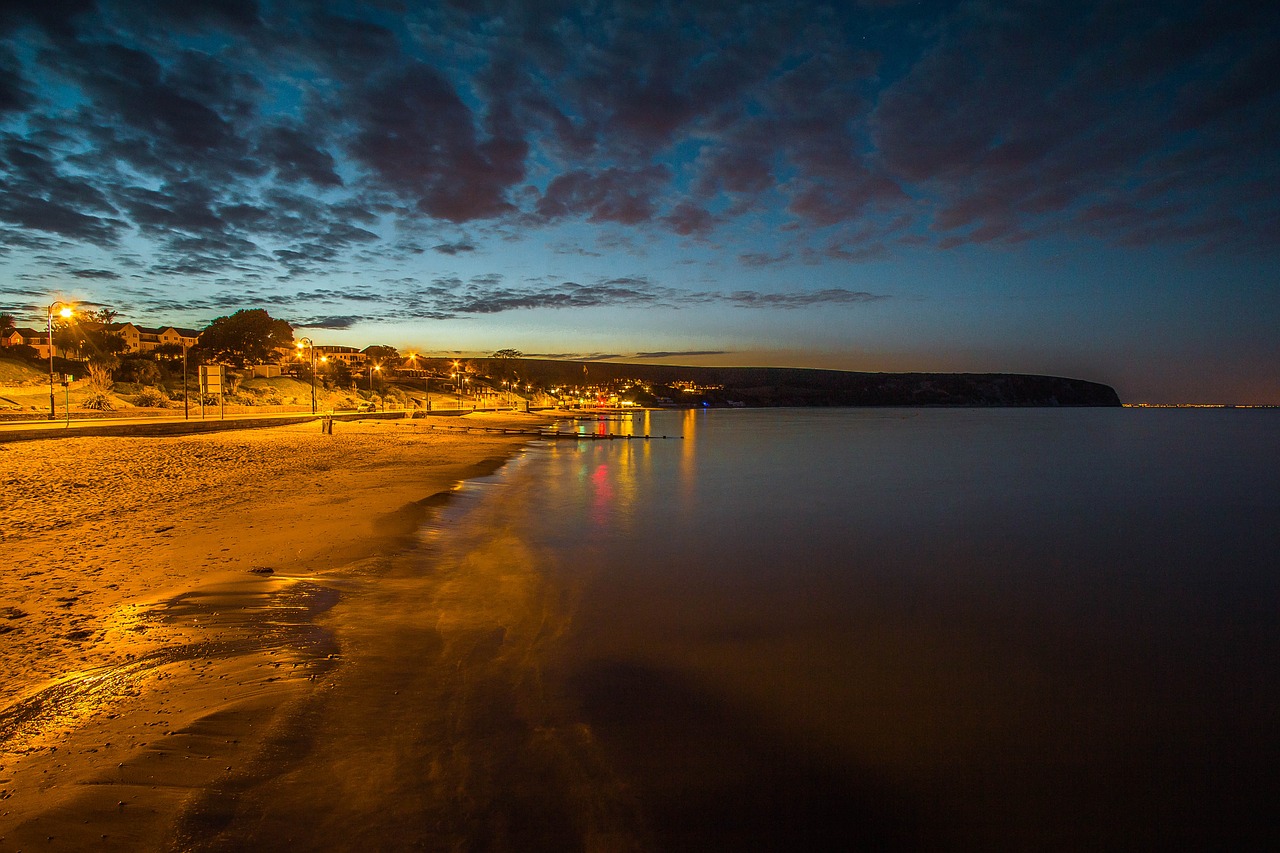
168,620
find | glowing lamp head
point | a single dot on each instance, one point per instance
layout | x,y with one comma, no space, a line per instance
66,311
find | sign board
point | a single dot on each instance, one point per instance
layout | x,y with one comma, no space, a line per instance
212,378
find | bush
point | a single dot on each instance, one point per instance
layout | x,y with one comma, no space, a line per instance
142,371
98,401
152,398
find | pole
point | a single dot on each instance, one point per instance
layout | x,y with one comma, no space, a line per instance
186,391
52,413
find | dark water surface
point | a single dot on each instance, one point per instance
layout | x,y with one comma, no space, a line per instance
912,629
810,630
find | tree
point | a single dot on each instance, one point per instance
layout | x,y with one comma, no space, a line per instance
340,373
385,356
249,336
503,360
7,325
140,370
87,334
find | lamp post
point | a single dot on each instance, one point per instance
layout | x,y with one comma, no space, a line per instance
65,311
426,378
307,342
372,368
186,392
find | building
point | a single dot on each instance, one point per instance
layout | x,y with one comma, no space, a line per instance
350,356
142,339
39,339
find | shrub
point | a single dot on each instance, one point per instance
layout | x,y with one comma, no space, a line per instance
143,371
100,379
98,401
152,398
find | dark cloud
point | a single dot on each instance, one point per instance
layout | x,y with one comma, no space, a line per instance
293,154
335,322
690,220
611,195
419,139
265,140
107,275
496,299
763,259
678,354
830,296
40,214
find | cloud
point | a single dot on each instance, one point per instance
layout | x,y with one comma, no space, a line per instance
689,219
289,140
681,353
333,322
418,139
804,299
610,195
763,259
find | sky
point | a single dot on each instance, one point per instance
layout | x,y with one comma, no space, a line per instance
1088,189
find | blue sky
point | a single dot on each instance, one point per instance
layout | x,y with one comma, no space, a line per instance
1087,189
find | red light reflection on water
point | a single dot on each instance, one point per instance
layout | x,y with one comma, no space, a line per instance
602,495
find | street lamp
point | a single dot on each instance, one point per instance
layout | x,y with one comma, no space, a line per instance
308,344
372,368
65,310
426,378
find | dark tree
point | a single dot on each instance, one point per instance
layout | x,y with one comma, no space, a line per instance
87,334
249,336
339,373
384,356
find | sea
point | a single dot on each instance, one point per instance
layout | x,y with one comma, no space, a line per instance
830,629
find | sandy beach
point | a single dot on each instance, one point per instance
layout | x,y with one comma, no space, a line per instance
159,603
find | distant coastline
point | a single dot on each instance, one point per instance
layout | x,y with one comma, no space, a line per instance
786,386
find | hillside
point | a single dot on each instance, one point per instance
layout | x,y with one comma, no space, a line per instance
774,386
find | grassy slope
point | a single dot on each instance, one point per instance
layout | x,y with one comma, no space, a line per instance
14,372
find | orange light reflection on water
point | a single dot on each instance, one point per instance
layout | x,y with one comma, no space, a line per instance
688,454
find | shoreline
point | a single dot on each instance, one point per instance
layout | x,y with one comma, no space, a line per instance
162,601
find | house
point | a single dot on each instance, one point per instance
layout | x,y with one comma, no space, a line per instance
39,339
351,356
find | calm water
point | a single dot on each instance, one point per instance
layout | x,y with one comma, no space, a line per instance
809,630
907,629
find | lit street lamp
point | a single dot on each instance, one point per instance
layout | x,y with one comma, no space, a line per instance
66,311
307,342
372,368
426,377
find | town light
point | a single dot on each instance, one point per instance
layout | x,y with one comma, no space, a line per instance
65,310
308,344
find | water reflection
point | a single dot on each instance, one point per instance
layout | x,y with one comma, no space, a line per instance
688,455
975,625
